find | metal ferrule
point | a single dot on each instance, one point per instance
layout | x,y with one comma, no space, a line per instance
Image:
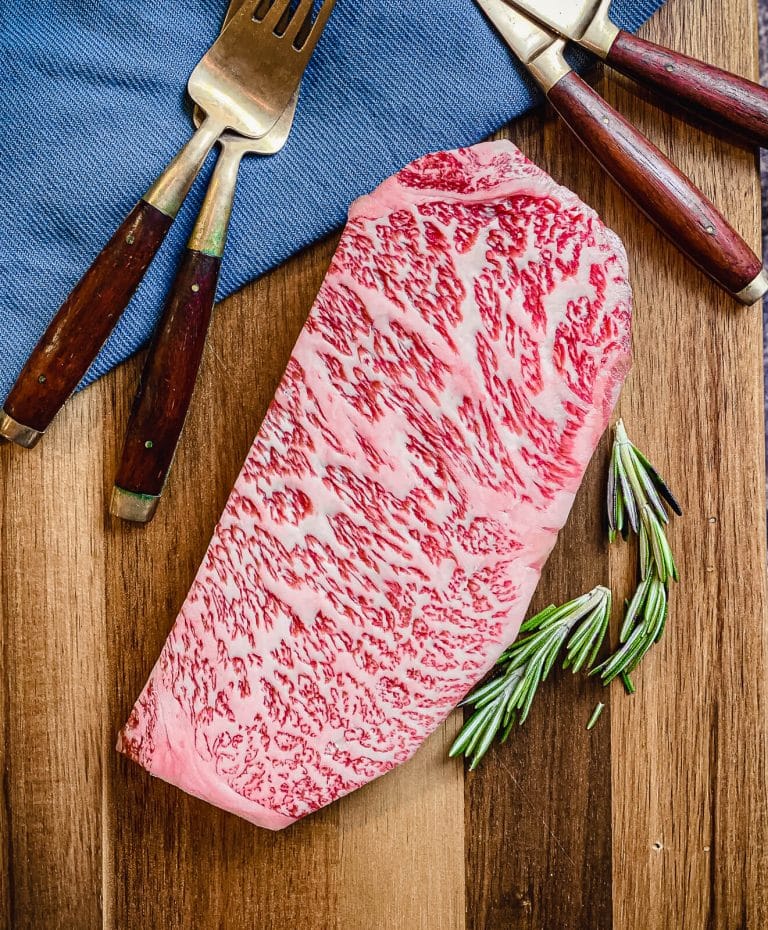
210,232
127,505
601,32
169,190
14,431
755,290
550,66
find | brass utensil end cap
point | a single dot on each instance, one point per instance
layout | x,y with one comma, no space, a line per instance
754,291
128,505
14,431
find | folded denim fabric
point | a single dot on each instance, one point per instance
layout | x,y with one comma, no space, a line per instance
92,107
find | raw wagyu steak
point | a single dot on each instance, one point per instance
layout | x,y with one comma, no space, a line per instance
389,525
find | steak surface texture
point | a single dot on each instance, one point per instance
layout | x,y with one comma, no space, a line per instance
389,526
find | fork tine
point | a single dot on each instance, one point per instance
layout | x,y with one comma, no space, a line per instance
262,8
298,19
274,14
308,45
285,21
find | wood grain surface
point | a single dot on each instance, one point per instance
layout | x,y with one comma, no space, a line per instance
656,820
729,101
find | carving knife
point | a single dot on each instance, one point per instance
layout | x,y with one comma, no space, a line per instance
669,199
726,101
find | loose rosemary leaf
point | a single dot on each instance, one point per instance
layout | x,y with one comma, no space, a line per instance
595,715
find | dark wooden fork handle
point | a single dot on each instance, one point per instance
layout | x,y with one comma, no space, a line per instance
82,325
725,100
660,190
90,313
165,392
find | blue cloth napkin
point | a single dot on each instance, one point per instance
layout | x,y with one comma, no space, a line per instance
92,106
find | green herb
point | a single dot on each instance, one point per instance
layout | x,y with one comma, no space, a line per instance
638,500
595,715
505,699
629,686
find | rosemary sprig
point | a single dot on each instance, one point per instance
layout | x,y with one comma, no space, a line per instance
505,699
638,499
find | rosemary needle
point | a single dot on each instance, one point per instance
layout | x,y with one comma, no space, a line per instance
595,715
629,685
639,502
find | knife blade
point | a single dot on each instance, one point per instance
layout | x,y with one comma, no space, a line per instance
582,21
669,199
730,104
539,49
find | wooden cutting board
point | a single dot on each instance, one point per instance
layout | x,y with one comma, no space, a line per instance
657,819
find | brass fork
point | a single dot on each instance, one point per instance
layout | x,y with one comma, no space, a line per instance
243,83
173,361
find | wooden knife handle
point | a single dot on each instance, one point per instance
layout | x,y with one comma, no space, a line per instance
167,385
728,102
660,190
86,318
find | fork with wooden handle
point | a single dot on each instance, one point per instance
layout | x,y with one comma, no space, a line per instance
171,367
243,83
175,354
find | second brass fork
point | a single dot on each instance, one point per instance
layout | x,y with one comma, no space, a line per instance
173,361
